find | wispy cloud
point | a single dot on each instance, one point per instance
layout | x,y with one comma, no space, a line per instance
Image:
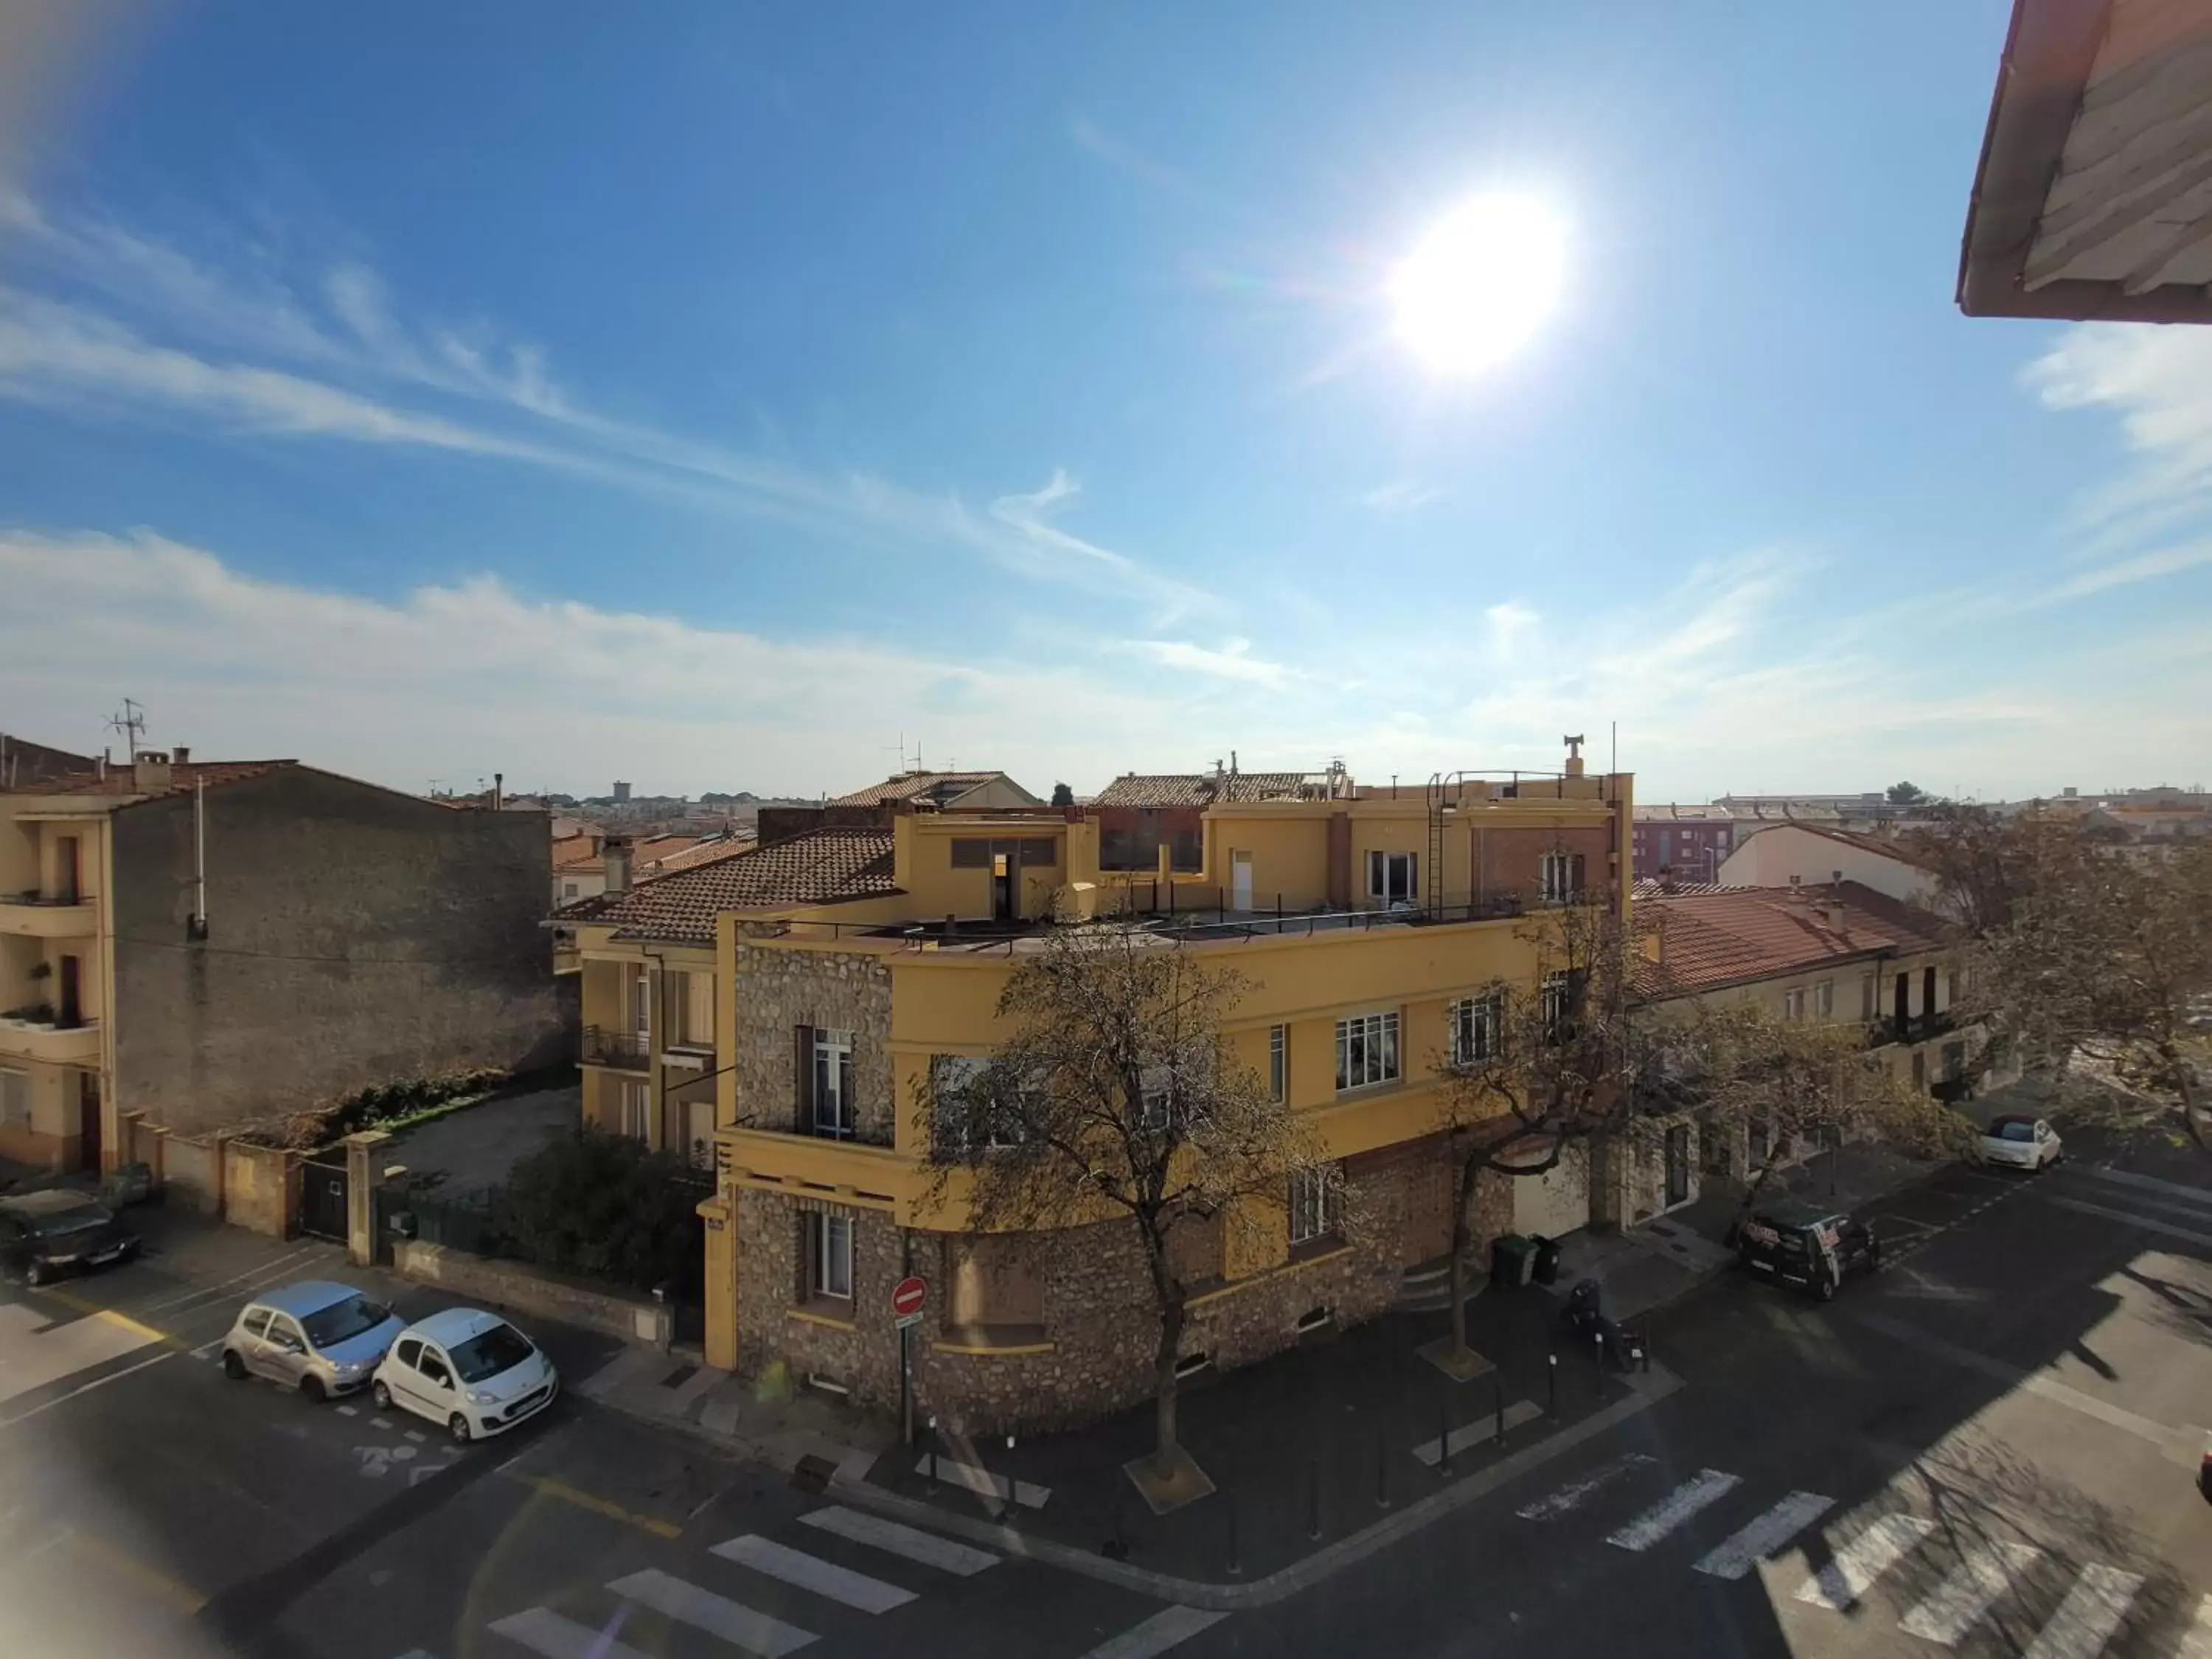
1232,660
1095,140
1401,495
2147,566
2159,381
353,369
1510,625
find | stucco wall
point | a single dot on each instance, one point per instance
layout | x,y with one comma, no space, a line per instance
1771,856
356,936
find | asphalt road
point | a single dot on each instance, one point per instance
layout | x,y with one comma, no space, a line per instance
1990,1448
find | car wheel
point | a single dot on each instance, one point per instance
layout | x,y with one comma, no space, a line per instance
457,1426
1825,1287
312,1387
36,1274
233,1366
379,1396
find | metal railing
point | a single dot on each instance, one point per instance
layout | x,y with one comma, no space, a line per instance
36,896
627,1049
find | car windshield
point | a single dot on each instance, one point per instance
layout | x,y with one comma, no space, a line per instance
500,1348
2016,1132
343,1321
82,1219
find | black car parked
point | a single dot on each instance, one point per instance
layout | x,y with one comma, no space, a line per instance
47,1234
1804,1245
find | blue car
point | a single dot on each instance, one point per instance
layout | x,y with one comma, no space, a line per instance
317,1336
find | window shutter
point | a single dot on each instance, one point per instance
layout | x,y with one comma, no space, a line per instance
802,1074
1575,879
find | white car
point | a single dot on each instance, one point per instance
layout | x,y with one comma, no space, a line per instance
468,1371
2021,1142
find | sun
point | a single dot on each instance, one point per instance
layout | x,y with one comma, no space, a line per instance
1482,280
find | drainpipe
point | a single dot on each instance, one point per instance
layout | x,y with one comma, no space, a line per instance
198,929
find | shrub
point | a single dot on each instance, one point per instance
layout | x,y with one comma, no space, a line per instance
604,1206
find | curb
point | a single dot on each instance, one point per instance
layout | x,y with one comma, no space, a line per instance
1285,1582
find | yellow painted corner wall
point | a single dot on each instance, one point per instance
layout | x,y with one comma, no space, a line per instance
935,889
1290,854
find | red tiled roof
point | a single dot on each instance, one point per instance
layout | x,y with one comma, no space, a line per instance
123,779
572,850
1737,933
1202,789
704,852
829,865
912,786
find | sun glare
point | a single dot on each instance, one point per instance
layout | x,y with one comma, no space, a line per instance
1481,282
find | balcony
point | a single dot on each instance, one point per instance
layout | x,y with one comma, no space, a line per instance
1918,1028
38,915
27,1037
627,1051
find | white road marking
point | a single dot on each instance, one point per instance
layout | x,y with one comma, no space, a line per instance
196,1293
2087,1617
1970,1590
1482,1432
983,1483
35,1351
1735,1557
546,1631
416,1434
1853,1569
717,1615
1571,1496
2147,1183
349,1411
2198,1644
929,1549
810,1572
380,1422
85,1387
1163,1630
2134,1218
1707,1487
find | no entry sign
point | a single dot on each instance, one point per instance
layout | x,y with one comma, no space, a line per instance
907,1300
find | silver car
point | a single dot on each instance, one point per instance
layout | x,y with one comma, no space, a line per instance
317,1336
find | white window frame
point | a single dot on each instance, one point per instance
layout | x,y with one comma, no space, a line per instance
828,1249
835,1116
1793,1004
1379,861
1155,1099
1278,1063
15,1098
1313,1204
1869,996
1381,1054
641,1013
1824,999
634,1106
1473,1024
1551,1000
1555,874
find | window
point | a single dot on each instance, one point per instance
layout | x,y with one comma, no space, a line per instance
1869,996
964,1118
977,851
256,1322
1555,1001
833,1082
633,1105
1156,1106
695,1010
640,1001
1824,999
1561,876
1366,1050
1278,1062
1313,1204
1473,1029
15,1100
410,1351
1390,877
568,889
1793,1004
433,1370
830,1255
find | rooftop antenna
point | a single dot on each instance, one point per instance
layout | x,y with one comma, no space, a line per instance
131,722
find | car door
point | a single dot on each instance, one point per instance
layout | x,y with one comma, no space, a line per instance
2045,1143
434,1380
14,1253
253,1340
286,1348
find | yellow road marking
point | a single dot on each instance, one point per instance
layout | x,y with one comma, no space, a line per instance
179,1595
120,1320
562,1491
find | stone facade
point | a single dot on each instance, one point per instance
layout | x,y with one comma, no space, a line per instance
1093,1355
776,991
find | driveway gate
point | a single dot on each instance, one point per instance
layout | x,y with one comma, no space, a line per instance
323,1198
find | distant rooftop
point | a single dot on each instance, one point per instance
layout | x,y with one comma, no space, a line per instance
938,788
1203,789
1725,935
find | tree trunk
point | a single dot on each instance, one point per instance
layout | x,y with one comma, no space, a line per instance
1462,1235
1165,1451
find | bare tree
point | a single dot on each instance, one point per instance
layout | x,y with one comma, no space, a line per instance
1538,1067
1987,864
1115,1097
1782,1083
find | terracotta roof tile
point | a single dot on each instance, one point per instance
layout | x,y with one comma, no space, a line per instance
1203,789
913,785
1732,934
830,865
123,779
705,852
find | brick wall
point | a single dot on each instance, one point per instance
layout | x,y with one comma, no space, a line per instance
779,989
1510,860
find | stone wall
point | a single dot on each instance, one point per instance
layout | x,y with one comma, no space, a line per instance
1094,1355
777,989
260,1191
522,1289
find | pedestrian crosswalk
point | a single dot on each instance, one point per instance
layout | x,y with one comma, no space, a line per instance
1963,1578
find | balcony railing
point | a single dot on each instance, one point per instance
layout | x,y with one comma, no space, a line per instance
1917,1028
39,915
629,1050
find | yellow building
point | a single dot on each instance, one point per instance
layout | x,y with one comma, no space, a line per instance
844,962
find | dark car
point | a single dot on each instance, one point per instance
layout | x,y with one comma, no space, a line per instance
44,1234
1806,1246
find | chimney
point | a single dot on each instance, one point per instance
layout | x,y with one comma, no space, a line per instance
1574,767
150,770
181,755
498,790
614,857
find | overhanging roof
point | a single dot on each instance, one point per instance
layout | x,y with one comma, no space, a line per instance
2094,197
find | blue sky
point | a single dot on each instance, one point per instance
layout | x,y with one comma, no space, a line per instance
713,396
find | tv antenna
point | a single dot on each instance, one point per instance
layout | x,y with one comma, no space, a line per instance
131,721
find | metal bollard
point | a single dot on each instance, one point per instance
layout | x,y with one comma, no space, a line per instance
1443,1437
932,1457
1498,1401
1313,1499
1381,1469
1236,1556
1551,1400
